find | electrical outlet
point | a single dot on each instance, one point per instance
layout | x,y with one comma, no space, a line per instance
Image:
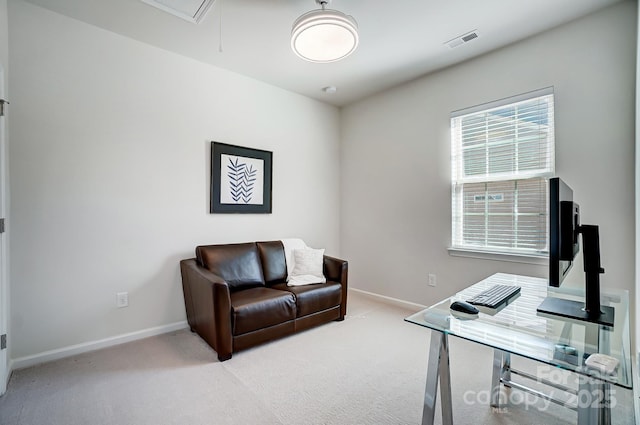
432,279
122,299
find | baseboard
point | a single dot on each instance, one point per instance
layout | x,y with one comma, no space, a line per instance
51,355
390,300
72,350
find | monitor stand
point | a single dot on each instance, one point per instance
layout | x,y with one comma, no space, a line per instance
575,310
590,310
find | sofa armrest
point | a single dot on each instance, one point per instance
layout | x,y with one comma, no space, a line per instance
208,303
337,270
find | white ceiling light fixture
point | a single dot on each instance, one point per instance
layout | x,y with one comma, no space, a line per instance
324,35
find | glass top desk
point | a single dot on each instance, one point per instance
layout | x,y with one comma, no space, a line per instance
519,329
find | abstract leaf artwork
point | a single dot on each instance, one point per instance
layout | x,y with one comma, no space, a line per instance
240,179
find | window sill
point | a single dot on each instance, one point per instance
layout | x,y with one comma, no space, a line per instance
500,256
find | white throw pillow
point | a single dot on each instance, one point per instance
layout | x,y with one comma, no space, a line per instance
307,268
290,245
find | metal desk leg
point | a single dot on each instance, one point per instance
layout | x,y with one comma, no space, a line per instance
587,413
501,369
605,412
438,370
594,401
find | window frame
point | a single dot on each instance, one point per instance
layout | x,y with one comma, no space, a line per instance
532,256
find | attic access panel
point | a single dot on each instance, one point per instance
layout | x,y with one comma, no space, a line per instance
189,10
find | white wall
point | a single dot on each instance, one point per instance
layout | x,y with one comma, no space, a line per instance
110,168
396,205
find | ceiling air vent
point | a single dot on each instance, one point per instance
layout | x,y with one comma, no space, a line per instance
460,40
189,10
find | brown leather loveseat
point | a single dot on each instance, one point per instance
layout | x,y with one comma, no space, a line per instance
236,295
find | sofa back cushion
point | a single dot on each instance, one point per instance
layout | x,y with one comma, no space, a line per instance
237,264
274,265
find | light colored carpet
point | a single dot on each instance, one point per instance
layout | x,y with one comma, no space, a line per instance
368,369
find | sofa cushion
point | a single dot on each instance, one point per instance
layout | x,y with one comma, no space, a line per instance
237,264
258,308
274,266
314,298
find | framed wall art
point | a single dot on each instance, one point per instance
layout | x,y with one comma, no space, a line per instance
240,179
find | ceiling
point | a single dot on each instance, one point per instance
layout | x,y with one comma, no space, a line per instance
399,40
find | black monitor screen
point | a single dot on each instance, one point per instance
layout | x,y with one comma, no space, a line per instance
564,221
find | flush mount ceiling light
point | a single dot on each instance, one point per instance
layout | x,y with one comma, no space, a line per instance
324,35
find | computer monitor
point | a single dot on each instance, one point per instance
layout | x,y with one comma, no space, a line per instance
564,221
565,231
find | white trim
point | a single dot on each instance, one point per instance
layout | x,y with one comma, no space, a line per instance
390,300
637,191
7,377
501,102
5,368
85,347
635,382
194,18
540,260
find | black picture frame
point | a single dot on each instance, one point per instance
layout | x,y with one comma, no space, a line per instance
240,180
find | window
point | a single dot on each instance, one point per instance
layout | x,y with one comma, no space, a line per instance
502,155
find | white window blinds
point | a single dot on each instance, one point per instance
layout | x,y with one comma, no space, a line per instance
502,155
